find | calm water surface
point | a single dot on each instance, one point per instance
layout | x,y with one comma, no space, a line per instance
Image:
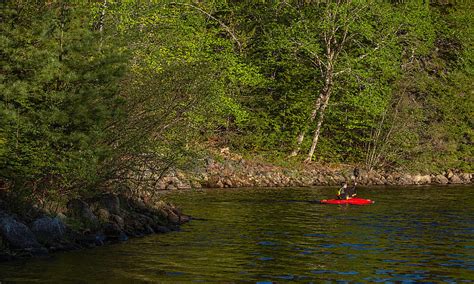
417,234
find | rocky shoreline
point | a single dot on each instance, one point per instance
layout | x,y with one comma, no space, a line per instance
110,218
233,171
87,223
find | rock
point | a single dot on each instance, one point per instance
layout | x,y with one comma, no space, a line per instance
465,177
122,237
170,187
421,179
455,179
184,185
78,209
148,230
196,184
48,230
389,179
103,215
449,174
111,202
112,230
92,240
219,184
19,236
173,217
228,182
140,204
405,179
440,179
184,219
161,185
162,229
61,217
118,220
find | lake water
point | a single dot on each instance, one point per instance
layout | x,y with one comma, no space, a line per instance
411,234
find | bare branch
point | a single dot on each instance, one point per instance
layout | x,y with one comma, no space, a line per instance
342,71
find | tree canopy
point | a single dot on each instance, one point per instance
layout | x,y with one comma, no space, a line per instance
91,91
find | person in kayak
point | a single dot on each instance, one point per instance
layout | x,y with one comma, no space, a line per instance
351,192
346,193
342,192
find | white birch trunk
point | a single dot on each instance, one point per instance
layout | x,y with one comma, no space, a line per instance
311,118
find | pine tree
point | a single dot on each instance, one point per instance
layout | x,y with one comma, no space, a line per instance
58,90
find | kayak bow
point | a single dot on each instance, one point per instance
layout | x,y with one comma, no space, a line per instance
352,201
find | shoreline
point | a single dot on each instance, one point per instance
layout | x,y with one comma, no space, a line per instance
110,218
232,171
93,222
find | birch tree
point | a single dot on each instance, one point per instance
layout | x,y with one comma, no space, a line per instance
335,37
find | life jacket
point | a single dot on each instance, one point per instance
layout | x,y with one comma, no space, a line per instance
342,190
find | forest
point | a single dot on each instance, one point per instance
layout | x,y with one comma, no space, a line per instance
93,90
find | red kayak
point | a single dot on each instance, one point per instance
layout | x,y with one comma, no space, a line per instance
353,201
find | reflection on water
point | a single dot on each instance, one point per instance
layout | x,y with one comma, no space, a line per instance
409,234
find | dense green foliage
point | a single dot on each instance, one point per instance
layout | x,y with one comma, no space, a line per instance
58,91
90,92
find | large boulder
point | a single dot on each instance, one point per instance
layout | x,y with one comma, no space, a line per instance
18,236
455,179
465,177
421,179
114,232
48,230
440,179
80,210
405,179
111,202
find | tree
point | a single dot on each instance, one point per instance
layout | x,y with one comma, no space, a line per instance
347,33
184,74
58,91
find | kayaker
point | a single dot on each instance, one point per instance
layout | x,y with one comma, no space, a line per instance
351,192
342,192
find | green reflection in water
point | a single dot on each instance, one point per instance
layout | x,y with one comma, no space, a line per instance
409,234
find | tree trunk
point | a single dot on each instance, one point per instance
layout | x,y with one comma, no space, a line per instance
318,129
102,17
324,99
310,120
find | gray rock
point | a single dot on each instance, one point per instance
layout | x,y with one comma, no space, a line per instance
48,230
19,236
77,208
